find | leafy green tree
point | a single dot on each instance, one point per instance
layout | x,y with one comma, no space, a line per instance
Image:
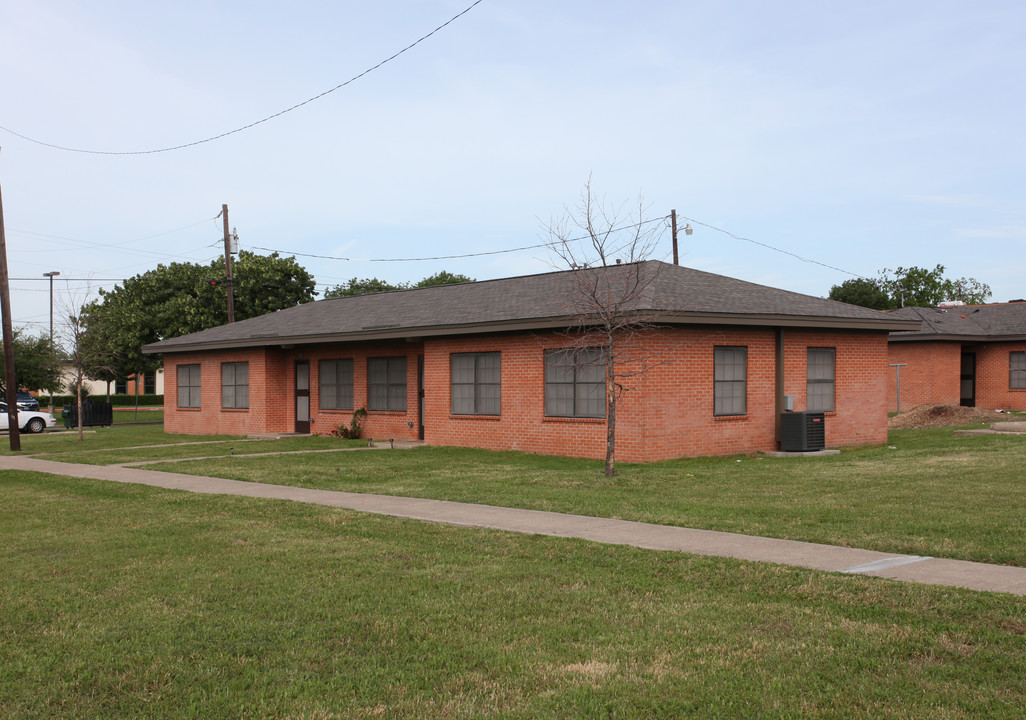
36,364
361,286
443,278
364,286
920,287
911,286
181,298
863,292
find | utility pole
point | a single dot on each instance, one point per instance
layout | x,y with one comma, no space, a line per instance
8,326
673,231
228,264
50,275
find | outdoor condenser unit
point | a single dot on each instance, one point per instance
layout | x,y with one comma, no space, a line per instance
802,431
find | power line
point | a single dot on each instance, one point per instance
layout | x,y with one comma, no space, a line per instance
419,259
771,247
451,257
70,279
278,114
470,255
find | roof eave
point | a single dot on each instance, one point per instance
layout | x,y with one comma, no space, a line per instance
397,333
937,337
781,320
535,324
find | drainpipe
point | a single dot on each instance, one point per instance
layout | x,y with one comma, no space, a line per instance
779,389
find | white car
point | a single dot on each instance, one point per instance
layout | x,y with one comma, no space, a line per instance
31,421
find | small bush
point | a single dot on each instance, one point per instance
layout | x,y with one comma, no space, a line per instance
354,429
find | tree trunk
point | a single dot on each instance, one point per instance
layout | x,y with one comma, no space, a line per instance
78,391
610,415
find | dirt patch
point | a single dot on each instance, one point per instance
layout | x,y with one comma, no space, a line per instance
939,415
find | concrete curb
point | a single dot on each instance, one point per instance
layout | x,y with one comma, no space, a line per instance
814,556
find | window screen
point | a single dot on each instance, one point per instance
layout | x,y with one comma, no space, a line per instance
235,385
188,386
1017,370
475,387
819,388
335,378
386,384
575,383
730,384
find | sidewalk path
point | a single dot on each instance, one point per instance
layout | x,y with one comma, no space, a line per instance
912,568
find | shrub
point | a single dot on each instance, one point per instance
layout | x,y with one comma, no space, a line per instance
354,429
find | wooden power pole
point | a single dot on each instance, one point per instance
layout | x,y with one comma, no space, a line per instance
673,233
8,327
228,264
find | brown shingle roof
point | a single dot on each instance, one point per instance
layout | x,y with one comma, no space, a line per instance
532,302
1006,321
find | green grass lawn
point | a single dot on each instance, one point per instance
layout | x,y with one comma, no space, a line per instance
926,493
133,602
131,416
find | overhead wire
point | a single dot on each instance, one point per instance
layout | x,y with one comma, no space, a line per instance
769,247
664,218
450,257
248,126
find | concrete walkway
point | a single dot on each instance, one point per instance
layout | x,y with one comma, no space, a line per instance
911,568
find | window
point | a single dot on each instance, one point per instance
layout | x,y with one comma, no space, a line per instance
336,384
730,381
188,386
235,385
386,384
120,387
475,383
575,383
1017,370
819,388
149,384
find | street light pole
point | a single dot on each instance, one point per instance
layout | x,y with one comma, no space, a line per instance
51,275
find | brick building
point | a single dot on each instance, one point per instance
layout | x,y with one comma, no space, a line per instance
972,355
487,364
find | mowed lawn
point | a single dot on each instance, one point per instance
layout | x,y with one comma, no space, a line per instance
123,601
133,602
925,493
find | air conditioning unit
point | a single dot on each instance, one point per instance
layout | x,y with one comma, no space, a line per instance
802,431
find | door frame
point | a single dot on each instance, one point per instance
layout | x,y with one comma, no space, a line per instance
302,426
420,397
969,401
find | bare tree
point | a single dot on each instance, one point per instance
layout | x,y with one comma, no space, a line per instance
607,248
86,358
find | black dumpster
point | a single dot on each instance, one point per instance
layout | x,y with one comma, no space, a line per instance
93,414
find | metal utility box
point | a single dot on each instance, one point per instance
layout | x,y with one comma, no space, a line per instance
802,431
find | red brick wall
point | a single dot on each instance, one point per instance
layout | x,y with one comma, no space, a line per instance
666,412
378,425
271,392
932,374
860,383
267,410
992,379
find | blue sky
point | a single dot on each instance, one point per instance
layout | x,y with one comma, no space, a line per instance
858,136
